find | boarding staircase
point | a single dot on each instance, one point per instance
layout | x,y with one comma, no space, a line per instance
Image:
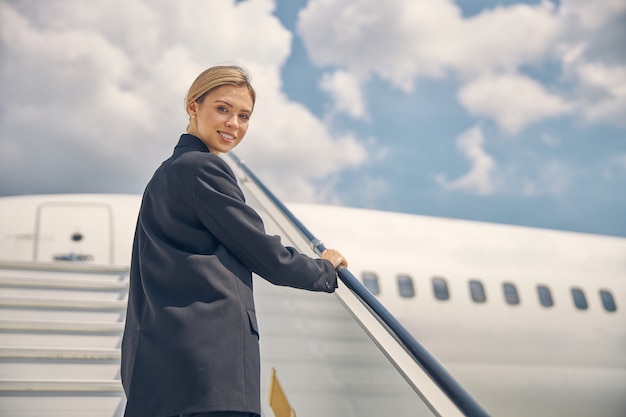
341,355
60,334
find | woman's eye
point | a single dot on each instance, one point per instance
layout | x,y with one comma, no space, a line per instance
245,117
222,109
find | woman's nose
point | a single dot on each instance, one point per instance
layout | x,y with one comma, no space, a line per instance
232,121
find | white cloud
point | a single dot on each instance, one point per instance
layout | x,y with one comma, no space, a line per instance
100,86
591,15
512,100
292,144
345,90
356,34
530,174
592,55
502,39
402,41
601,87
479,180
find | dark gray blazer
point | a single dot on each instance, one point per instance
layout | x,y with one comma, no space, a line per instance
191,342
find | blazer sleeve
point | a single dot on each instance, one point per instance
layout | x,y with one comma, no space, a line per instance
221,207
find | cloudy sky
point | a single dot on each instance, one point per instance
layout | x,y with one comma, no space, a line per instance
501,111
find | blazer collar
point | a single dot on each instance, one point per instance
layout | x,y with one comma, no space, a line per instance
193,142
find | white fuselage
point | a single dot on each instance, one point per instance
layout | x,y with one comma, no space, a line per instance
517,356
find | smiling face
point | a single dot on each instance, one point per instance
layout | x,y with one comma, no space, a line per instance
221,119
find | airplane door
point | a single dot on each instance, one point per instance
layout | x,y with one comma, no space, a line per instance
74,232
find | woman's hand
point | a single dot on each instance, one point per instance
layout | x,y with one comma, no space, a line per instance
335,258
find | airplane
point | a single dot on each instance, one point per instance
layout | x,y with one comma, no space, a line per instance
529,321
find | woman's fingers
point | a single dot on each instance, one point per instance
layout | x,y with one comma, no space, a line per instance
335,258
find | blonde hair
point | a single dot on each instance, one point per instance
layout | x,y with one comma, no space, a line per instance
215,77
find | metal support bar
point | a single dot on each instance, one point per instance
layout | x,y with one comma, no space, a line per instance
443,380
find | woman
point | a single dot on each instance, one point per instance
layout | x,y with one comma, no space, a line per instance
191,343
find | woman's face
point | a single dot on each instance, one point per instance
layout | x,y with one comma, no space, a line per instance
221,120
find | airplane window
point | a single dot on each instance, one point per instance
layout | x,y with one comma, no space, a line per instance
510,293
405,286
545,296
370,280
440,288
607,301
477,291
579,299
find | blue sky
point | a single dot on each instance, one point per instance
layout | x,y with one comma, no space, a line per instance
501,111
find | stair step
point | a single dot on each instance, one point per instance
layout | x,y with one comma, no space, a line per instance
16,352
75,267
59,385
42,326
65,283
60,303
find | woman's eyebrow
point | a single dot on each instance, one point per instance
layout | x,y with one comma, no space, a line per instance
219,100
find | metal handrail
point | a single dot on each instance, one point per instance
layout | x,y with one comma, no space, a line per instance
453,390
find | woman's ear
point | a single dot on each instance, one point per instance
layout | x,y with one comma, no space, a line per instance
192,108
